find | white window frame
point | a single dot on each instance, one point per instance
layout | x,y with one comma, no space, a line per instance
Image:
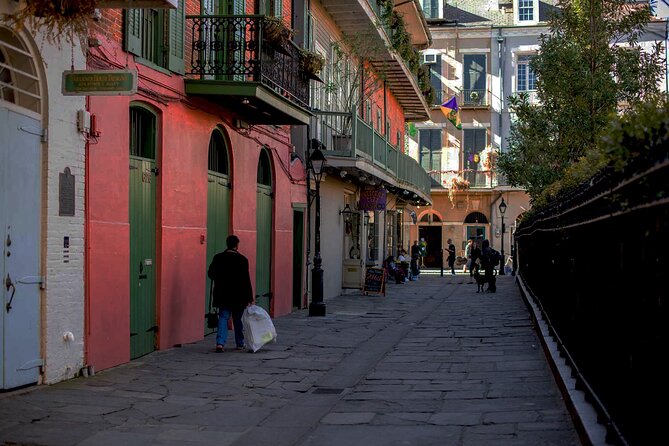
535,12
524,60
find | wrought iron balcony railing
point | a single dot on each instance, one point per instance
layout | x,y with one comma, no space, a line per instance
347,135
239,49
466,98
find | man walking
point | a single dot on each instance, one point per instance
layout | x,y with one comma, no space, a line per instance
451,255
232,291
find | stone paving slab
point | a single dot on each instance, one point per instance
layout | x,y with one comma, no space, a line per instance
431,363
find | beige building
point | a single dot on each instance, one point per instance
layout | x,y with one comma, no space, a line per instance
480,56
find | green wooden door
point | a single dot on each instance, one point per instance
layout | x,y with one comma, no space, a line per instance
142,256
264,232
218,204
142,217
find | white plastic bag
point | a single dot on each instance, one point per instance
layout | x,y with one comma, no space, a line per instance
258,328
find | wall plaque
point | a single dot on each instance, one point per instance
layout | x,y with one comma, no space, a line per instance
66,193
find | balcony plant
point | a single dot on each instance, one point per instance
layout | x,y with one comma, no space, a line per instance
62,19
311,63
276,33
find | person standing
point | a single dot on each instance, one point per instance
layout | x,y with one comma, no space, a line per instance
488,264
232,291
475,261
415,255
451,255
468,256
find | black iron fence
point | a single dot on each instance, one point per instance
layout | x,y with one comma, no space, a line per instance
240,49
596,262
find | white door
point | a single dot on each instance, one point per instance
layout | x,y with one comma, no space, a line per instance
20,207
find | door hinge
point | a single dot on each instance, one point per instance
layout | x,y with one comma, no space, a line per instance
153,329
31,364
156,170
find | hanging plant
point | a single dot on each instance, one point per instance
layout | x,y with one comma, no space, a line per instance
275,32
311,62
58,19
457,184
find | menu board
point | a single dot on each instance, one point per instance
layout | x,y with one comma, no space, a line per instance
375,281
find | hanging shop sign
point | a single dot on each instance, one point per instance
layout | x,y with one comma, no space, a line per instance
372,200
100,83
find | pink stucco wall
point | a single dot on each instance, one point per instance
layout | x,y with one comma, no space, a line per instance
183,139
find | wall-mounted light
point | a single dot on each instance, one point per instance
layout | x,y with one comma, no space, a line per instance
346,212
245,101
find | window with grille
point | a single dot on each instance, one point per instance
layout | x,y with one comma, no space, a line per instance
525,79
142,133
218,153
157,36
525,10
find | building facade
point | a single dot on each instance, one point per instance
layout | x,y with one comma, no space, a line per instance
480,56
201,151
365,94
42,209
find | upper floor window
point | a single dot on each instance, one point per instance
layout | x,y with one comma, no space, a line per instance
431,9
526,10
157,35
474,83
525,78
143,139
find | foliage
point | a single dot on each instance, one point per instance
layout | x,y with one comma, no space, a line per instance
588,68
58,19
311,62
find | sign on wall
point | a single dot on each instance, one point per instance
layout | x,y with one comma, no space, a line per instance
372,200
99,83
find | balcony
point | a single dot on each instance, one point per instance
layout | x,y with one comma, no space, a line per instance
466,98
356,147
362,18
234,66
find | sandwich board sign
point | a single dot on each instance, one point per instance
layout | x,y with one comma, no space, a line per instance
375,281
99,83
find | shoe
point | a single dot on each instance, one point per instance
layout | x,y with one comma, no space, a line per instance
219,349
238,348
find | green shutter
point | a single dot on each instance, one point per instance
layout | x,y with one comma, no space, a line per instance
176,38
133,31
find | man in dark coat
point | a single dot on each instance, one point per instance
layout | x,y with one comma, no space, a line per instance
488,265
232,291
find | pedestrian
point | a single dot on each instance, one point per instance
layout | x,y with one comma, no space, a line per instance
475,261
488,264
451,255
415,255
423,252
232,291
468,256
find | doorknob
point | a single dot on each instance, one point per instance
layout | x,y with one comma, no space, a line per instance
9,284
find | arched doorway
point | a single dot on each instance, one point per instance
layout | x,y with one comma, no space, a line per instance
475,227
218,203
430,233
20,211
264,204
142,213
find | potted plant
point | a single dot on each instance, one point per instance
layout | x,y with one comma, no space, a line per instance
311,63
276,33
62,19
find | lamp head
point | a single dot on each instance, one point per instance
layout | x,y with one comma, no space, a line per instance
318,161
502,207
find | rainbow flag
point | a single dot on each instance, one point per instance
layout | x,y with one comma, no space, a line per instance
452,112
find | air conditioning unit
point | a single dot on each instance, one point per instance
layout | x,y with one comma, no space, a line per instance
429,58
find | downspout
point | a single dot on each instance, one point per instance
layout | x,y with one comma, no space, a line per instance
500,50
307,263
493,208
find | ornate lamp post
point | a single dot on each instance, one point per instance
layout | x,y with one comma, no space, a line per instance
317,162
502,210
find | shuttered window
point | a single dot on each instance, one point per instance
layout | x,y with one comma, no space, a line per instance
157,35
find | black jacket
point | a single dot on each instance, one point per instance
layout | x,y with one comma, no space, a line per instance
232,283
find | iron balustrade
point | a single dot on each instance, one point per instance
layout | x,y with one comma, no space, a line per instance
596,262
466,98
346,134
233,49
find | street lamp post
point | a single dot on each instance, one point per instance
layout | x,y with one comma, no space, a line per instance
502,210
317,306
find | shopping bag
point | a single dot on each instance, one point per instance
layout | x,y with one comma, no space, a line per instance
258,328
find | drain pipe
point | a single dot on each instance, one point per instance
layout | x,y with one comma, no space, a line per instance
500,68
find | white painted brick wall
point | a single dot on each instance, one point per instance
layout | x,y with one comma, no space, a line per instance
63,300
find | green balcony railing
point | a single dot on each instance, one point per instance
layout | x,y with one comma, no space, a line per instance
347,135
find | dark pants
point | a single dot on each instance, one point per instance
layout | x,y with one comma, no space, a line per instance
451,264
491,279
